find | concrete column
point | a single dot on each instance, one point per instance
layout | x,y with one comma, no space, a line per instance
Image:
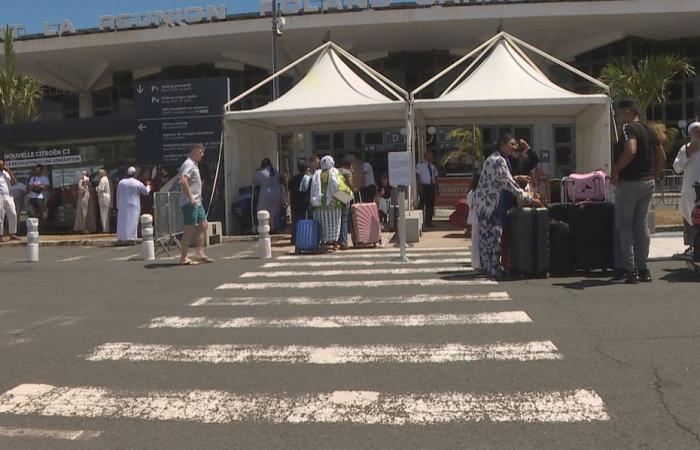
85,106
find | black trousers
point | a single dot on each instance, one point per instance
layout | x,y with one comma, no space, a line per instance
427,202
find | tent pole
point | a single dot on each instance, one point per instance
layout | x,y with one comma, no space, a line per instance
227,106
376,76
469,67
455,64
520,51
563,64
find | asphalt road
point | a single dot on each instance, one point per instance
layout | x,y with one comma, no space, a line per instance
622,370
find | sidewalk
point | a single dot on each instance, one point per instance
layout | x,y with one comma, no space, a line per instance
664,244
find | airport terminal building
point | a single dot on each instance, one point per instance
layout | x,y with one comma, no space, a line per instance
91,115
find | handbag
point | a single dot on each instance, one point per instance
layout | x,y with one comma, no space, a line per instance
343,197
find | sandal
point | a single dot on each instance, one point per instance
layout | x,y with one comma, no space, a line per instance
189,262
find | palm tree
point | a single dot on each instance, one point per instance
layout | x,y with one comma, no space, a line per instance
648,80
469,146
18,92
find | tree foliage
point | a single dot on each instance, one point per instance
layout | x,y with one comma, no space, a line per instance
647,80
19,92
468,142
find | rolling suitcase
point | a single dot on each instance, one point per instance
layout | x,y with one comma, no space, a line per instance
528,243
561,256
307,236
562,212
366,228
593,229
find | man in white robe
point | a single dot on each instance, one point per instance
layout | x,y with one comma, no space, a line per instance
688,163
104,199
129,206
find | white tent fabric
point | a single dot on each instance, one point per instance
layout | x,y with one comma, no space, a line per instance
507,86
331,92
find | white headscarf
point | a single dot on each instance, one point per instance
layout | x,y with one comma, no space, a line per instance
131,171
327,163
693,126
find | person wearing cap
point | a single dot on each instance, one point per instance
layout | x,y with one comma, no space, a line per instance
129,191
688,163
639,162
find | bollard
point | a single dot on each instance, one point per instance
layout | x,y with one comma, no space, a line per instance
264,242
148,249
33,239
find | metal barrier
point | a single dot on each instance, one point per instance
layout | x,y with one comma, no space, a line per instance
668,190
167,219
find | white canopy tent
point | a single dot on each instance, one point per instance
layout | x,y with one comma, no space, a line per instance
503,85
330,95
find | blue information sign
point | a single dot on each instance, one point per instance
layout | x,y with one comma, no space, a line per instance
173,115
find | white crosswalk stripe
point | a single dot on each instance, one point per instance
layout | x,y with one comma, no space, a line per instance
372,263
411,320
452,270
363,256
431,282
336,354
38,433
361,407
350,300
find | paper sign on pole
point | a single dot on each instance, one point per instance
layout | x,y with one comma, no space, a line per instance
400,169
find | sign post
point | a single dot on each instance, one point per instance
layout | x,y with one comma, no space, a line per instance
400,175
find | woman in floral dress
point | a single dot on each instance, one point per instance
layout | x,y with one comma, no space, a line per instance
494,197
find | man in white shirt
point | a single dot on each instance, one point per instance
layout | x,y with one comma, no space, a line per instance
104,199
7,204
36,193
426,174
193,213
688,163
368,191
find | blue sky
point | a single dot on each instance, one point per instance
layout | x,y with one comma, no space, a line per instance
84,13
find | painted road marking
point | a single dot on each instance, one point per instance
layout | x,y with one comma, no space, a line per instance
75,258
68,435
411,262
352,300
361,407
409,320
334,354
452,270
361,256
355,284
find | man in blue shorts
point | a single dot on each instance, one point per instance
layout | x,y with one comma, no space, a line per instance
194,216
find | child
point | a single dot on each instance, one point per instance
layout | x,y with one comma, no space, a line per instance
384,197
474,222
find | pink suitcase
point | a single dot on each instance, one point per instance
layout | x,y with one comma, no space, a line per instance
366,229
579,187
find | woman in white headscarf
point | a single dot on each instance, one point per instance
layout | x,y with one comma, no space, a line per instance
327,209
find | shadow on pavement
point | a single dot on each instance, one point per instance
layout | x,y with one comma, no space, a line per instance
680,276
583,284
163,265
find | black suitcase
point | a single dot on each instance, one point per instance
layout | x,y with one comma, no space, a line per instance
528,244
562,212
561,254
593,229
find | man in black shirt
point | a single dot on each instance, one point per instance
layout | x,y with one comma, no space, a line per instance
637,165
526,160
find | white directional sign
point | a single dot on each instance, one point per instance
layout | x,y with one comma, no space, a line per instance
400,169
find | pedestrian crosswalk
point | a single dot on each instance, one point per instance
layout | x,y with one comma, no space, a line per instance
338,294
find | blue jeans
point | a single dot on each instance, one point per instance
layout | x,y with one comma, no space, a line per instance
344,217
632,200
